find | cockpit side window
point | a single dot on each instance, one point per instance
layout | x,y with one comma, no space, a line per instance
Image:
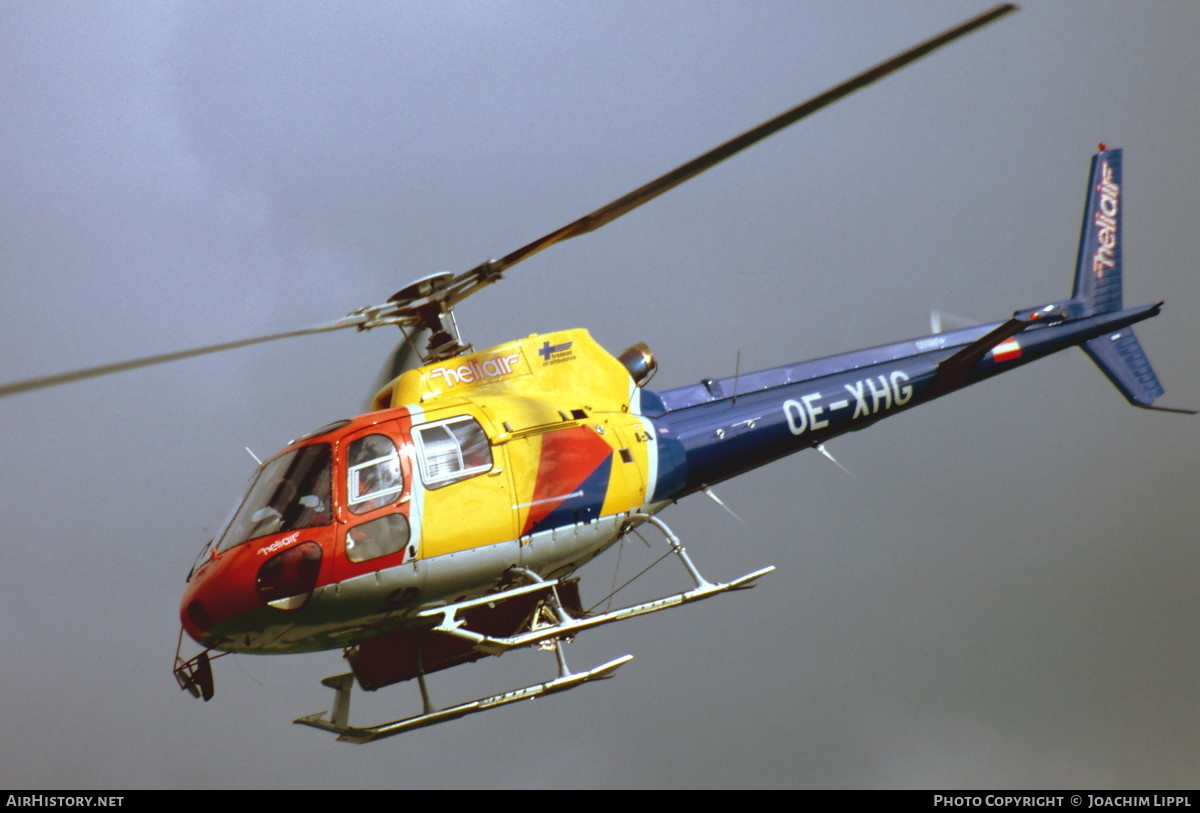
374,478
451,450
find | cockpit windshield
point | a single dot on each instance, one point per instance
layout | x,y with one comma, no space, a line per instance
289,493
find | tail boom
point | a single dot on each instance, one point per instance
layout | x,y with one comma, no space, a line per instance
714,430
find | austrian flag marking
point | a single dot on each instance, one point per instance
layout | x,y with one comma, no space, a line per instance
1006,351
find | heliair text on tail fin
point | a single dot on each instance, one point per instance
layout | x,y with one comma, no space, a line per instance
1098,267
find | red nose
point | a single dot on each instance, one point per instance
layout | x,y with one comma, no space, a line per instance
241,581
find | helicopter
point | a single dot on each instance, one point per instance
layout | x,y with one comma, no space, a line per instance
454,462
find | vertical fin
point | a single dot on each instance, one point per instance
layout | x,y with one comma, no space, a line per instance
1119,355
1098,267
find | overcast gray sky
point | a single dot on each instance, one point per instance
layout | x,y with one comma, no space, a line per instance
1003,595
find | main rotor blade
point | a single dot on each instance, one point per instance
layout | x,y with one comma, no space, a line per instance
620,206
41,382
453,288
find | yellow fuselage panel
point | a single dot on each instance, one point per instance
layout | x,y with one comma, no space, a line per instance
565,448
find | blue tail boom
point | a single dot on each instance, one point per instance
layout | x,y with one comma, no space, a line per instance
713,430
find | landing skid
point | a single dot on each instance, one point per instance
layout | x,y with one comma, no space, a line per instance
347,733
550,625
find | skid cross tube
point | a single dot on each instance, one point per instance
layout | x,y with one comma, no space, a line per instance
569,625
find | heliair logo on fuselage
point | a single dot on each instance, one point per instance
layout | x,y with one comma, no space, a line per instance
476,371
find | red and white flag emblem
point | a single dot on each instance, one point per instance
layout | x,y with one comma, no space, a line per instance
1006,351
